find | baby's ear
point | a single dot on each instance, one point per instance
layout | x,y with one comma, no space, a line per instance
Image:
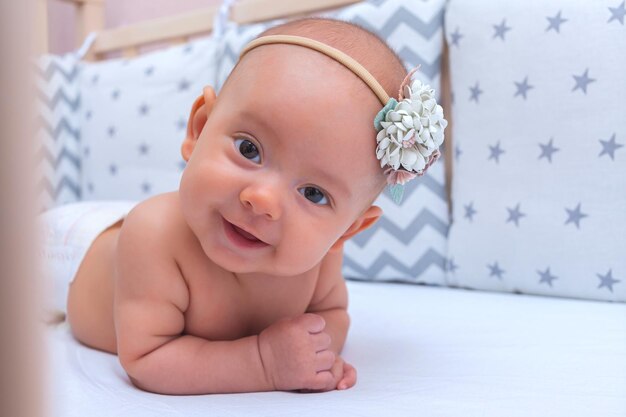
197,118
365,220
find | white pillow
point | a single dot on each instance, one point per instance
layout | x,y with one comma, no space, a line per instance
134,116
409,242
58,132
539,189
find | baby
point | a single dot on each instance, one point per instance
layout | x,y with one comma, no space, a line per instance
233,283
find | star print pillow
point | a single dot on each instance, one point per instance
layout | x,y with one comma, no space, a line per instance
539,188
134,117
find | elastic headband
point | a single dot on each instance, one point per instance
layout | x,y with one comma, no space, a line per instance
346,60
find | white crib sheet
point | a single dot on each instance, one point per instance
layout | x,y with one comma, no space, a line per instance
419,351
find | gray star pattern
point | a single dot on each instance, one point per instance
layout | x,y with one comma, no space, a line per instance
555,22
457,152
149,71
522,88
618,13
501,29
181,124
495,270
546,277
113,169
146,187
143,149
548,150
183,85
582,81
470,211
574,216
88,115
95,78
111,131
515,214
115,94
455,37
144,109
607,280
495,152
475,92
451,266
609,147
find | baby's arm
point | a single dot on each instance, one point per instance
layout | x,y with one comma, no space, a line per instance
330,301
151,298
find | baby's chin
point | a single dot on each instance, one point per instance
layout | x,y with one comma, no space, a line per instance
263,266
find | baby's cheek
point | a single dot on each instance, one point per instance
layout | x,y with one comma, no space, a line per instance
186,186
304,251
209,176
199,186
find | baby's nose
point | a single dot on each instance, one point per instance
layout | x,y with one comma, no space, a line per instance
263,198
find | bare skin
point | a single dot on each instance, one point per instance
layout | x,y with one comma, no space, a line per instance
192,304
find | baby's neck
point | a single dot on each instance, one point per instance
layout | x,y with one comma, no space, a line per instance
252,279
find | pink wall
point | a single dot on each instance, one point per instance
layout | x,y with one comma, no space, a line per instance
117,13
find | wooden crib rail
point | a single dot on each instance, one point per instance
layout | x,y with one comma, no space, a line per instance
172,29
89,17
177,29
251,11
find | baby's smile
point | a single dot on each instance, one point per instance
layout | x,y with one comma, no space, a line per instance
240,237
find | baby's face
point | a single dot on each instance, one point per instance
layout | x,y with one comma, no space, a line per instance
284,164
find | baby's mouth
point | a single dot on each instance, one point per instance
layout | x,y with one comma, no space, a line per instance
242,237
245,234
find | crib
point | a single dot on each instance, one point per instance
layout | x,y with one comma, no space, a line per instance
440,349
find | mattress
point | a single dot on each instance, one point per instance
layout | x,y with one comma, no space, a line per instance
418,350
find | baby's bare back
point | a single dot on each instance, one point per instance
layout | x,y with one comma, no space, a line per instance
218,304
90,299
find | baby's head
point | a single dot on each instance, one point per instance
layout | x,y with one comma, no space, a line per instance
282,166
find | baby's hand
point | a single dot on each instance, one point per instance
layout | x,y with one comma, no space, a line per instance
295,354
344,374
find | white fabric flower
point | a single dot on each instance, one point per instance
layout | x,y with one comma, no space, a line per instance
411,131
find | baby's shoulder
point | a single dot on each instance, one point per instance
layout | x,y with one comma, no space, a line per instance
157,217
330,290
146,253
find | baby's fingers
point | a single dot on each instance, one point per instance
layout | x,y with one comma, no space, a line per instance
321,341
349,377
324,361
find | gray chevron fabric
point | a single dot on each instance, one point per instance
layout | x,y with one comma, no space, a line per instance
408,244
58,134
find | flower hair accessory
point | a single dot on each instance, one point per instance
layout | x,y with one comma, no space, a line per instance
409,130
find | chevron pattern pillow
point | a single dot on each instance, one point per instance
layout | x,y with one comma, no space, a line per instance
58,134
539,190
408,244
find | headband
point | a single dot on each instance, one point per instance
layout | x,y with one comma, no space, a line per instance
410,129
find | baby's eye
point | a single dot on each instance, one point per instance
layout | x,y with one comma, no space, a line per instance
314,195
248,150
